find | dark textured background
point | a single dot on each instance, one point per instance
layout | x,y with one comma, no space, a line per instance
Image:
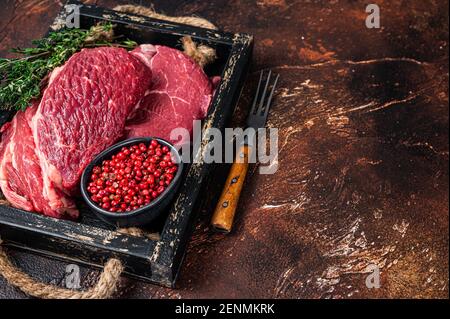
363,165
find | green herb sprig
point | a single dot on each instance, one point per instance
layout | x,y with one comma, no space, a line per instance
22,79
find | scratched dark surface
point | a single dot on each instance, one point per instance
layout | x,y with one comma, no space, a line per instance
363,163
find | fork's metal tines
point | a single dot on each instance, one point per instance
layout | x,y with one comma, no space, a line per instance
260,109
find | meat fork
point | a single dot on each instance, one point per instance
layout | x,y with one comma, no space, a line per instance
223,217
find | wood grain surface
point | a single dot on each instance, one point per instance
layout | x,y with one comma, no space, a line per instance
223,216
363,163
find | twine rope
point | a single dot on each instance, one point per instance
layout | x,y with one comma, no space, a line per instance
113,268
201,54
104,288
150,12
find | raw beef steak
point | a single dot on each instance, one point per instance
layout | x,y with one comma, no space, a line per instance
84,109
44,150
180,92
98,97
21,178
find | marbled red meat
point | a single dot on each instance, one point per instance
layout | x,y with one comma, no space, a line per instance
83,110
98,97
180,93
28,191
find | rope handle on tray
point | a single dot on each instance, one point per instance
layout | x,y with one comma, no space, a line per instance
113,268
104,288
201,54
149,12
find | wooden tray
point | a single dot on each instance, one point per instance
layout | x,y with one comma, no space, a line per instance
89,241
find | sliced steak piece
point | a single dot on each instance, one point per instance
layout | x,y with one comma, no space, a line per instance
180,92
84,109
44,150
20,173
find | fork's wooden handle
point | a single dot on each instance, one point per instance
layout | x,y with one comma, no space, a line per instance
222,219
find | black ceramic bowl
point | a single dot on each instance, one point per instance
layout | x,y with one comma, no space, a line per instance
145,214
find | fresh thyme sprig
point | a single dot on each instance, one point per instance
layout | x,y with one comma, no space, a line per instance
22,79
